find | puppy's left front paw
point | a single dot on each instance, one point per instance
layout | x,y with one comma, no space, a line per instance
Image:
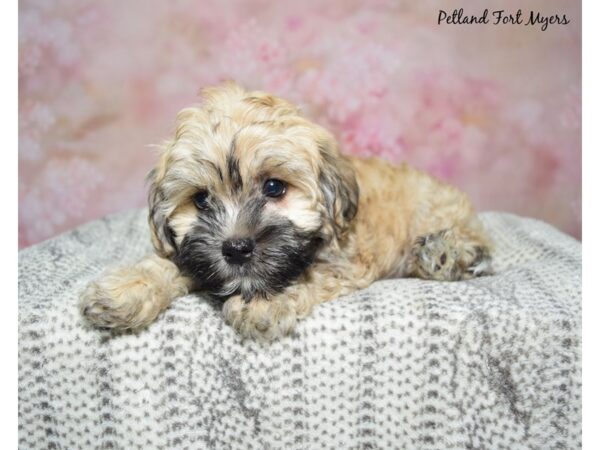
260,318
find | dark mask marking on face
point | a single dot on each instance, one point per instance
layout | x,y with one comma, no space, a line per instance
250,215
282,253
286,252
200,250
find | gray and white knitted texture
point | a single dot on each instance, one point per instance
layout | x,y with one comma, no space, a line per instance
492,363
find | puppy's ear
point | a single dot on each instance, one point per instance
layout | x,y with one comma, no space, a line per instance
338,184
161,234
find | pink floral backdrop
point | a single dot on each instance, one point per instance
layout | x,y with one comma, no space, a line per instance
492,109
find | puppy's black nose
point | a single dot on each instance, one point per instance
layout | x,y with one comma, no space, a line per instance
238,251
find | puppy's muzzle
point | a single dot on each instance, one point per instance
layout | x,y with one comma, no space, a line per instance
238,251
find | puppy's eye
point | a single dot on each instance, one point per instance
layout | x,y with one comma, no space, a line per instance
274,188
200,199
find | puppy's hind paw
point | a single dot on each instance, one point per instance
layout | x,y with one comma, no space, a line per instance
443,256
434,257
479,263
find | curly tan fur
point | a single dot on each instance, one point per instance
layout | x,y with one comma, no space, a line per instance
354,220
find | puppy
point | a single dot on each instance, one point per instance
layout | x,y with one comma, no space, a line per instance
253,203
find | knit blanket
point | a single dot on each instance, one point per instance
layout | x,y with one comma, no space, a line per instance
490,363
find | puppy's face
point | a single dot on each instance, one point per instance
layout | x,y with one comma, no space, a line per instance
247,193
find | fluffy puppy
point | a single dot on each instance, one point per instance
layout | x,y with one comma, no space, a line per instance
253,203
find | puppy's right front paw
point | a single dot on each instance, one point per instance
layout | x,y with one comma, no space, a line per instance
103,309
121,302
